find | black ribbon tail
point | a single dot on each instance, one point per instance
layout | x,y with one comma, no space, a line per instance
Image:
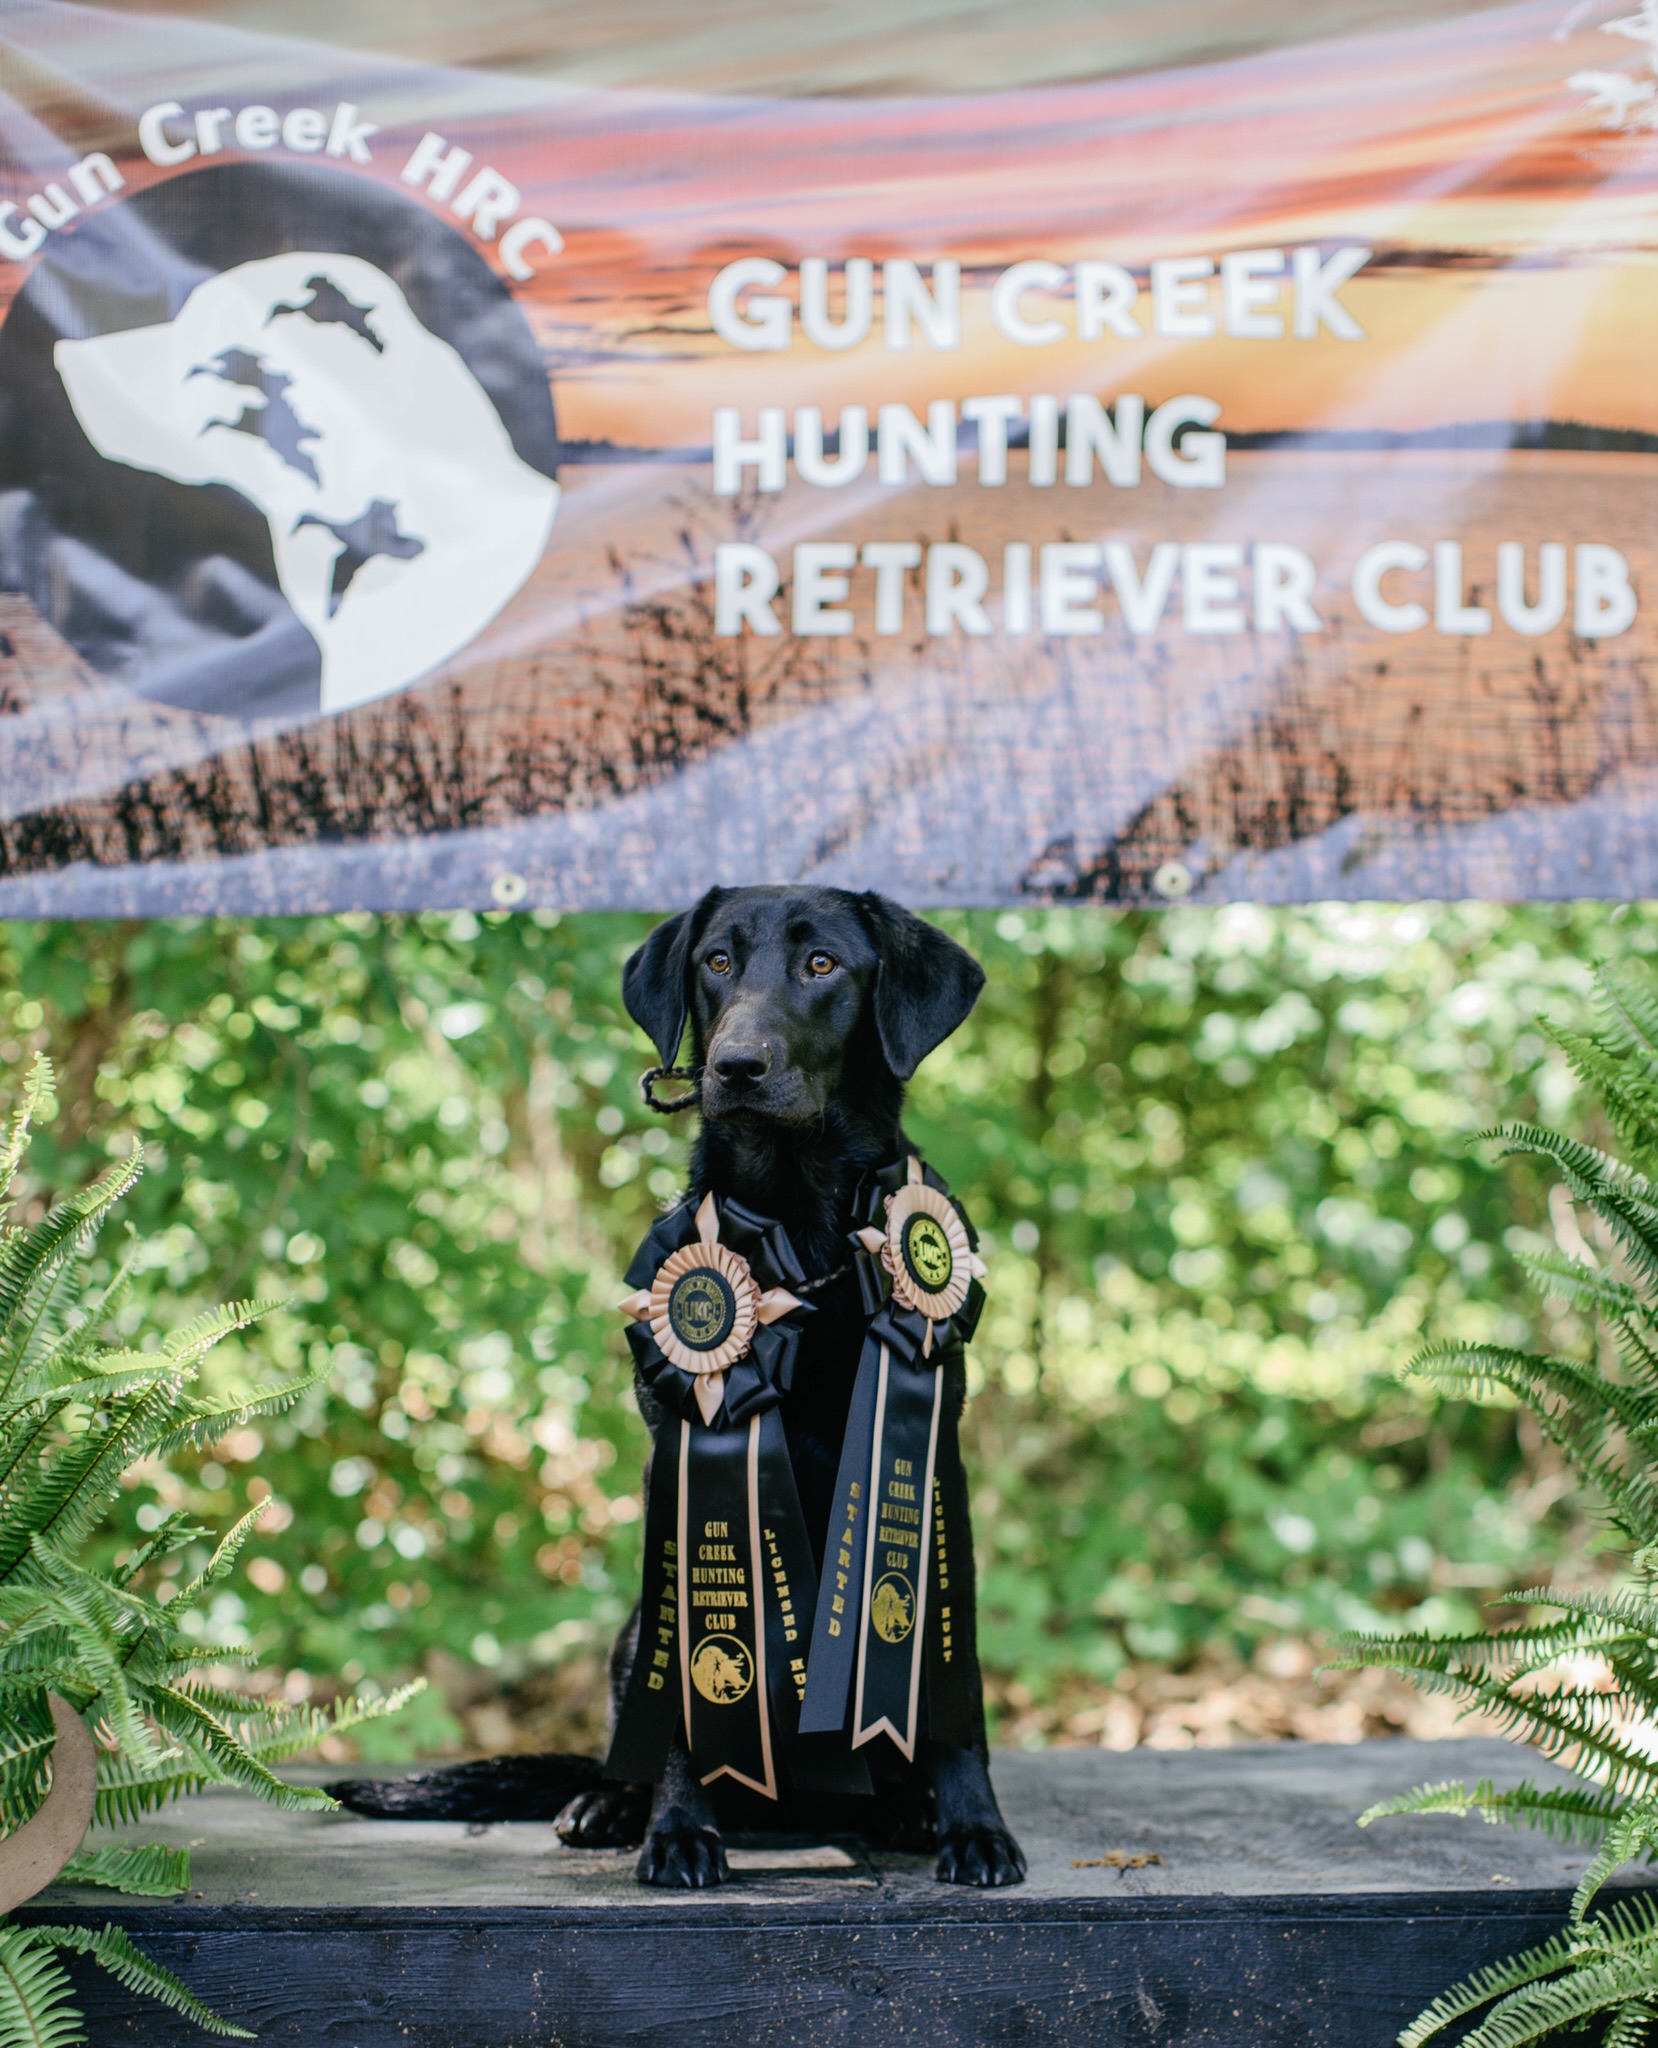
835,1627
897,1551
812,1763
722,1634
950,1714
651,1705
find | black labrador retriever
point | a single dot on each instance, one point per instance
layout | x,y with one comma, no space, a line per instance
809,1010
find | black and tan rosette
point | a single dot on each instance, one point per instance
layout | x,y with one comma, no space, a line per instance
729,1587
885,1618
709,1307
926,1249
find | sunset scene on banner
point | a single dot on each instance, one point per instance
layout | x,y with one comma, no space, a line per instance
1481,185
1462,152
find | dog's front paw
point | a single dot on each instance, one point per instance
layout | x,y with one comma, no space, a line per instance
983,1856
678,1855
608,1817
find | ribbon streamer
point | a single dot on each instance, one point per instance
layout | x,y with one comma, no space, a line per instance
728,1585
883,1618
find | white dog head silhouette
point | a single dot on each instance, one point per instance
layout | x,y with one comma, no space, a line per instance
401,517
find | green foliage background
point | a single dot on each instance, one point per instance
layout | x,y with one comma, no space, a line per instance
1220,1159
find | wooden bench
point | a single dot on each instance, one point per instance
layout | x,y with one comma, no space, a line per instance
1267,1918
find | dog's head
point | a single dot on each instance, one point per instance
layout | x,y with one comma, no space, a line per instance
792,994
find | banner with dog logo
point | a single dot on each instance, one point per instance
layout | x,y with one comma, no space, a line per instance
1179,451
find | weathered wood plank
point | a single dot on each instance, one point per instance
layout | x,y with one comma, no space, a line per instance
1270,1920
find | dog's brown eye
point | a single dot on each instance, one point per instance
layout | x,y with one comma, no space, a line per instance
720,962
822,963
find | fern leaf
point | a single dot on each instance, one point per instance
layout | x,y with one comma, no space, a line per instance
26,1256
1629,2029
188,1345
1581,1286
183,1716
219,1564
175,1533
202,1422
1564,1812
1563,2002
108,1946
36,1999
1634,1830
1625,1608
38,1092
27,1739
274,1734
1584,1163
1484,1986
71,1497
146,1870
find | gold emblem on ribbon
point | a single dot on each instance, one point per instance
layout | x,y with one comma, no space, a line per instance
925,1250
703,1307
722,1670
892,1607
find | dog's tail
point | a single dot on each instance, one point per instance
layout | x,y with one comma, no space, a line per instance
493,1788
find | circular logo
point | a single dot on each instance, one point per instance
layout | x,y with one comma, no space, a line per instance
275,441
702,1308
927,1252
892,1607
721,1670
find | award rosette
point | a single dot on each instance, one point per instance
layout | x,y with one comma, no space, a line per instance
884,1610
728,1584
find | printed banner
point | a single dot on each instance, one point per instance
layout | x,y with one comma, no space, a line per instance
1149,464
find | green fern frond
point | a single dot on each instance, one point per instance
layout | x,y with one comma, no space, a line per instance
1602,1413
28,1255
1583,1163
36,1998
1536,1377
1627,1609
1566,1813
1622,1085
275,1734
201,1422
109,1947
188,1720
146,1870
1580,1286
173,1534
1630,2028
191,1343
38,1092
98,1381
1484,1986
1632,1834
1565,2002
1511,1649
71,1497
27,1738
77,1411
218,1566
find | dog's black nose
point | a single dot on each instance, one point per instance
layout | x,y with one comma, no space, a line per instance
743,1065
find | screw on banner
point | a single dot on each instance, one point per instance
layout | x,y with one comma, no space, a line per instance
1173,880
508,890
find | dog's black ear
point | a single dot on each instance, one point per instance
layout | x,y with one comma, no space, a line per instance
653,981
924,986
